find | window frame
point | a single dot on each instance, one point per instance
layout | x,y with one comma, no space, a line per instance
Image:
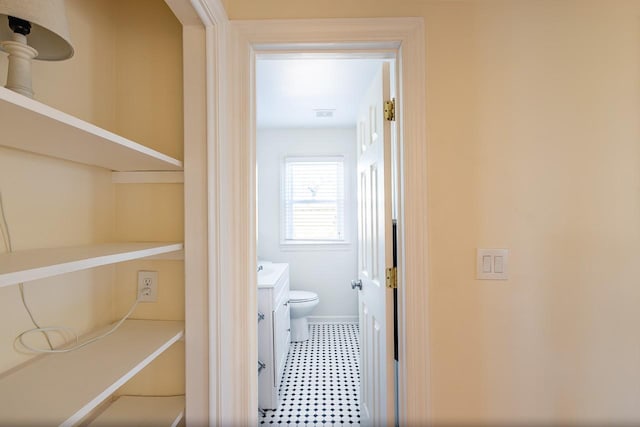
314,244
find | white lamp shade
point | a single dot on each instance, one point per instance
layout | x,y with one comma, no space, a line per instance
49,29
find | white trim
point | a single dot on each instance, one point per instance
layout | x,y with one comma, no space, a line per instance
345,53
197,357
204,73
332,319
406,37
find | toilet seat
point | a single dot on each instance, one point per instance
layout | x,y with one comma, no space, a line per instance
302,296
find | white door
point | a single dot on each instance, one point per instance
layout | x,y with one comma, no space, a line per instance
374,255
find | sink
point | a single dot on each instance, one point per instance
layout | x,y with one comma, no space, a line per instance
266,269
270,274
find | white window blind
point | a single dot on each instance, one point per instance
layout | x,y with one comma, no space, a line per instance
313,199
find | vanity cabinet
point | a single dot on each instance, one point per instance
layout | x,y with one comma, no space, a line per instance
274,332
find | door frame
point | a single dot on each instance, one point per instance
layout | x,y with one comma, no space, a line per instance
209,370
237,199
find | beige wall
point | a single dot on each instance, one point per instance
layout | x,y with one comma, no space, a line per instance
126,76
533,145
149,75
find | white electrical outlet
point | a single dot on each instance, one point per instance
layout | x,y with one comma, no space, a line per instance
147,286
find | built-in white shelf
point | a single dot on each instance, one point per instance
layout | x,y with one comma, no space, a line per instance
38,128
23,266
61,389
169,256
142,411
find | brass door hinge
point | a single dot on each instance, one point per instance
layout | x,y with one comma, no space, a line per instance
392,278
390,110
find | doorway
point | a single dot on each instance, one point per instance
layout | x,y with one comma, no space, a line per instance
321,211
232,176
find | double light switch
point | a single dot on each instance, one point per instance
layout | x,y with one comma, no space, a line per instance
492,264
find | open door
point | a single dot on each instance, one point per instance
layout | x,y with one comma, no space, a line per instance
375,255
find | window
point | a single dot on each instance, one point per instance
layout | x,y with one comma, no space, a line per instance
313,199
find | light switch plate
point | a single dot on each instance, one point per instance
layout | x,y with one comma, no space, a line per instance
498,264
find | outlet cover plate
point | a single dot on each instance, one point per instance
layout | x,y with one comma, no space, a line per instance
147,286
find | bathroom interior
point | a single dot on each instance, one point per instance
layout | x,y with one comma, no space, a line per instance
307,236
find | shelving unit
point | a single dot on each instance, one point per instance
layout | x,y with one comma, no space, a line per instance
142,411
36,264
41,129
70,388
61,389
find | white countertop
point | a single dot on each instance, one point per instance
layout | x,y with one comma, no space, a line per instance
270,274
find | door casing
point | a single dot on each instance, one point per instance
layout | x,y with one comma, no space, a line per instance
235,209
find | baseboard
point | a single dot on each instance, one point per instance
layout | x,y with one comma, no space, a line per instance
332,319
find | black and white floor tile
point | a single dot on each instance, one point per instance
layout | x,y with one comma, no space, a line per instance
321,381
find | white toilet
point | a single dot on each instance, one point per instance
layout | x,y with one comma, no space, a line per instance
301,304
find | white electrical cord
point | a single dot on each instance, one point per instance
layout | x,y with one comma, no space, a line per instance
6,237
78,345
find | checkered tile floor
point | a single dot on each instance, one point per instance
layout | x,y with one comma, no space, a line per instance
321,381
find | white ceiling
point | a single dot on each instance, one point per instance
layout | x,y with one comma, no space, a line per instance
290,90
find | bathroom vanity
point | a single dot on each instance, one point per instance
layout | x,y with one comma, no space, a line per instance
274,333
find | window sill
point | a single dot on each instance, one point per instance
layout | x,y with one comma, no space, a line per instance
315,246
